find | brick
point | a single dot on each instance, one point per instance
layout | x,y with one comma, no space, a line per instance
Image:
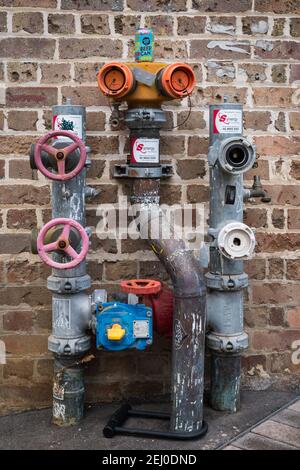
155,5
279,73
278,50
18,48
221,25
279,363
293,269
257,120
1,120
22,271
216,94
191,169
274,97
191,25
55,73
29,22
295,73
278,26
97,169
95,270
228,6
45,368
173,146
160,24
94,24
190,120
130,245
19,169
116,5
276,268
121,270
22,120
295,121
18,219
1,72
221,72
17,144
254,72
108,193
84,95
86,48
197,146
14,243
22,396
108,246
22,72
293,317
256,268
277,145
170,194
31,295
294,219
126,24
3,22
256,317
201,49
273,340
252,361
103,145
31,96
278,218
19,368
95,121
26,194
30,3
26,344
153,270
277,6
18,320
277,242
255,25
295,27
279,123
61,24
197,193
255,217
87,72
166,49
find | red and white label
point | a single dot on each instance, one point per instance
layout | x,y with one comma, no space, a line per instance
68,122
145,150
228,121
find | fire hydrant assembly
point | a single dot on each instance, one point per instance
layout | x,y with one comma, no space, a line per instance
213,301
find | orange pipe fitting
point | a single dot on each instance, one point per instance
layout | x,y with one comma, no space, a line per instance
116,80
177,80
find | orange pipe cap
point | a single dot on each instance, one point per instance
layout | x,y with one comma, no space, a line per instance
177,80
115,80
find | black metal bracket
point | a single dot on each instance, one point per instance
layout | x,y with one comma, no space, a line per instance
114,425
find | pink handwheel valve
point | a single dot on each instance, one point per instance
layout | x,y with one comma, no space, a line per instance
62,244
60,155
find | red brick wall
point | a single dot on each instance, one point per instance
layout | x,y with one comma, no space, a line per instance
52,49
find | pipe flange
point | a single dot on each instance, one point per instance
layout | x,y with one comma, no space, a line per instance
236,155
68,285
233,282
69,346
155,172
141,118
236,241
227,344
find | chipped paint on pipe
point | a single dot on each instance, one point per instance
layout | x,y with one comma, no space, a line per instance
189,312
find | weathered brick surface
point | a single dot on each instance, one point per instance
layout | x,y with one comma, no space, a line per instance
245,51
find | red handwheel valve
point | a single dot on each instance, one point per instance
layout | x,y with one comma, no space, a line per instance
60,155
141,286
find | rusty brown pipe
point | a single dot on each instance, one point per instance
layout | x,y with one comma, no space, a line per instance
189,313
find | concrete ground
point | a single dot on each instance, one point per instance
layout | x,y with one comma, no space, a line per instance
33,429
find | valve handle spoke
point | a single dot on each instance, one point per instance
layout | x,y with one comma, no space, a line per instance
71,252
50,247
51,150
61,166
71,148
66,232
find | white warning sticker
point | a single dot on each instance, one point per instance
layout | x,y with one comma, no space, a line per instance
228,121
141,329
68,122
145,150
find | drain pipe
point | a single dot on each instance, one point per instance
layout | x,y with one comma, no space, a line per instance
189,310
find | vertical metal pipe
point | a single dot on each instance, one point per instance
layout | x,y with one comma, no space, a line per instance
71,305
188,316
